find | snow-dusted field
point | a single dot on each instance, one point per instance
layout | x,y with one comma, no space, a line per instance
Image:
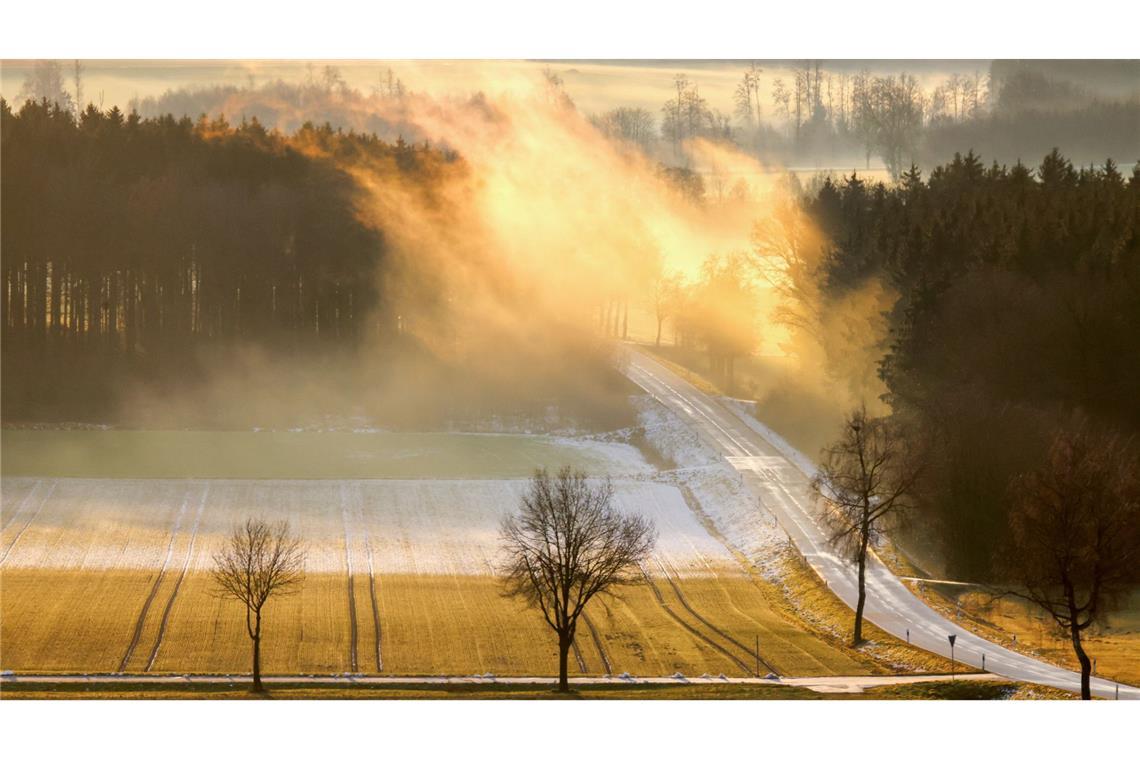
412,526
411,555
407,526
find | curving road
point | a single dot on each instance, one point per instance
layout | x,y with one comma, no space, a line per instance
779,476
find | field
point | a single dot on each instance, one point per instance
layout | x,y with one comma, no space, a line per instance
111,575
299,454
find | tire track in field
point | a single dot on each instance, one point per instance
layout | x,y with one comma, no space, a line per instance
598,644
10,514
694,505
141,621
375,605
691,629
578,655
32,519
751,653
371,584
177,584
348,567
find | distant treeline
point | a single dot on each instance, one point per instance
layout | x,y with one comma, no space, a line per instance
1089,132
831,117
1019,306
129,243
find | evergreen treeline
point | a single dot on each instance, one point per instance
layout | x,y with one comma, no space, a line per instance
129,243
1019,306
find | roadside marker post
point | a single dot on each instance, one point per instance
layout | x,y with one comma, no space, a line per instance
952,638
983,662
908,635
757,656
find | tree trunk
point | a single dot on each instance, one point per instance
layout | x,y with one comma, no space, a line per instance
658,343
257,665
1086,663
564,642
858,637
257,687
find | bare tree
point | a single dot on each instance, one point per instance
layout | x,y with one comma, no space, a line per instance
629,125
568,544
1075,533
672,123
77,78
668,289
867,477
747,98
723,313
261,560
45,81
897,118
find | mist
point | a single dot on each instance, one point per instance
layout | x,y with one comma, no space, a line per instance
517,233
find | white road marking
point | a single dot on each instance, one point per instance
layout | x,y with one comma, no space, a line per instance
890,604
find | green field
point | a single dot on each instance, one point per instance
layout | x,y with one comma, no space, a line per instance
286,455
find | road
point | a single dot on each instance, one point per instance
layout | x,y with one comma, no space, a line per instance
823,685
779,477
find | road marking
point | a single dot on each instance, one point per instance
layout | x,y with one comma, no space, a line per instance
896,606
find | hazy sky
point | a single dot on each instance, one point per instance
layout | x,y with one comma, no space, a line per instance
594,85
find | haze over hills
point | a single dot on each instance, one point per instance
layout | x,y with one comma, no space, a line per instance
350,270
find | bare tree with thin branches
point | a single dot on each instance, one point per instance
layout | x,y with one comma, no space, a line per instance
1075,532
261,560
866,478
566,545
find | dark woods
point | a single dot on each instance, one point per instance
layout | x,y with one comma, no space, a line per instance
1018,308
130,244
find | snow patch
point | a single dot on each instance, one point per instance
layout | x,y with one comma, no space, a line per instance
717,488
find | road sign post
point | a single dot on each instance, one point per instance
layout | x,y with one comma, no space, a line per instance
952,638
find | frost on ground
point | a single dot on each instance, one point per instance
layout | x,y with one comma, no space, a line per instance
704,516
714,485
400,526
671,438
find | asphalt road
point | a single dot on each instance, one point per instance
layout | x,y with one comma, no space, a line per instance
779,477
